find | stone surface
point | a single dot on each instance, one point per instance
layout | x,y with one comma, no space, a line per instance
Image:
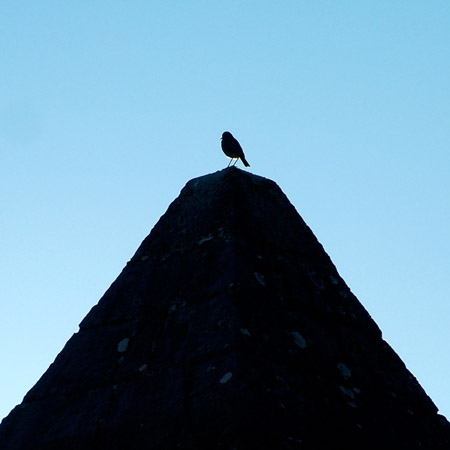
230,328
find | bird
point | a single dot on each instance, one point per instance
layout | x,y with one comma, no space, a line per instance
233,149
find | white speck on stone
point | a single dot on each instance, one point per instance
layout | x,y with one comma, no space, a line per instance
144,258
347,392
299,339
205,239
260,279
356,390
172,308
226,378
333,280
222,234
143,368
317,281
123,345
344,370
245,331
259,256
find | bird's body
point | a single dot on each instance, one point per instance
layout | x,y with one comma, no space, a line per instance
233,149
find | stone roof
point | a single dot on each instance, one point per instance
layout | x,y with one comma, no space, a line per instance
230,328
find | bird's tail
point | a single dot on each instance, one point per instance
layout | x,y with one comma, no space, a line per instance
246,164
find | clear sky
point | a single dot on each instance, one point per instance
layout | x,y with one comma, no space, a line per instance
107,109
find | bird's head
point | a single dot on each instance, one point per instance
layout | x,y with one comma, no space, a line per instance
226,134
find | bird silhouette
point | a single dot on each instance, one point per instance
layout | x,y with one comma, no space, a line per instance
233,149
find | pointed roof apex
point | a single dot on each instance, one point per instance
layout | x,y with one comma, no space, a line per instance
230,328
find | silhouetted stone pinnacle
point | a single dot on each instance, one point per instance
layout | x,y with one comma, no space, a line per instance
230,328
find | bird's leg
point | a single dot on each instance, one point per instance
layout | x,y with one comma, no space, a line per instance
230,162
235,162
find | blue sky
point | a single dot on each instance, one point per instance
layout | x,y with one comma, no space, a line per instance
107,108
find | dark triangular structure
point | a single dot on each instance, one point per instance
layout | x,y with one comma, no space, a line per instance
230,328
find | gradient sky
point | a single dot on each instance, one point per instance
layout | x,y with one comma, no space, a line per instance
107,109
